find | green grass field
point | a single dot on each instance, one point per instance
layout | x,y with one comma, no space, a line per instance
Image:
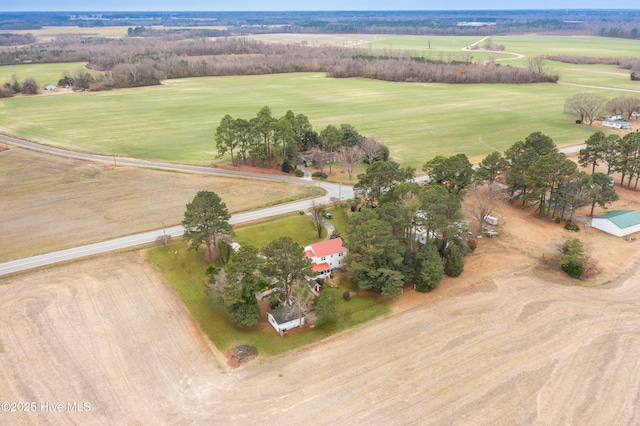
525,45
176,121
42,73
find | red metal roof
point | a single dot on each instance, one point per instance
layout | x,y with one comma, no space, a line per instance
326,248
321,267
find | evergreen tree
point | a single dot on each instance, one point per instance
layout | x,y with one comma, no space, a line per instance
454,264
430,271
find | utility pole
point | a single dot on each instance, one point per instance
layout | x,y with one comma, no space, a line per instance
166,247
113,151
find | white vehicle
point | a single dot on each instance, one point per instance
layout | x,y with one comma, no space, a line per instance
491,220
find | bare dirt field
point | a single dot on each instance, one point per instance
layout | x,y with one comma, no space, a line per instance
512,341
49,203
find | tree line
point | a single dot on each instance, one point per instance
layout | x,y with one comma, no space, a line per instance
136,61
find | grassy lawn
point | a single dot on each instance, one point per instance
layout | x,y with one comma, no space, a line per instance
340,220
185,271
296,226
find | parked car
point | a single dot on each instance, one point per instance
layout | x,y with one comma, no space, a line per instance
327,215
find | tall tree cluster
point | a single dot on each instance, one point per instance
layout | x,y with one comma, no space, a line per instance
536,173
265,139
405,230
618,154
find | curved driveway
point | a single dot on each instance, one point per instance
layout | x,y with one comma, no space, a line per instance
333,191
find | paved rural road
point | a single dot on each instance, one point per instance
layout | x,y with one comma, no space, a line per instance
333,190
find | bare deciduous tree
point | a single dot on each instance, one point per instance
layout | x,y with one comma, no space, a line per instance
318,159
350,157
585,106
483,202
317,222
371,150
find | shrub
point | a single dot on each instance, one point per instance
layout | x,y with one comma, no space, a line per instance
346,296
212,270
320,281
573,259
558,219
472,243
287,167
573,269
571,226
6,92
298,173
319,175
274,303
30,87
578,121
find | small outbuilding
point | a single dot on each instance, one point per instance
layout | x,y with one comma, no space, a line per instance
618,222
50,87
283,321
617,124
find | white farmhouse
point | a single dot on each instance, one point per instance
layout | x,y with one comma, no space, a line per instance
618,222
326,256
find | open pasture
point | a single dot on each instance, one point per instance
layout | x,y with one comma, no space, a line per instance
42,73
177,120
597,75
530,46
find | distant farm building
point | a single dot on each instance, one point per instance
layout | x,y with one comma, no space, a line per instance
326,256
618,222
617,124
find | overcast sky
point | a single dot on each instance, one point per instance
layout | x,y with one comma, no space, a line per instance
275,5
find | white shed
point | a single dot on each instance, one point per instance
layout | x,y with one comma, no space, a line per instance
283,321
618,222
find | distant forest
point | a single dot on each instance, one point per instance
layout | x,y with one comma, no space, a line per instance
610,23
